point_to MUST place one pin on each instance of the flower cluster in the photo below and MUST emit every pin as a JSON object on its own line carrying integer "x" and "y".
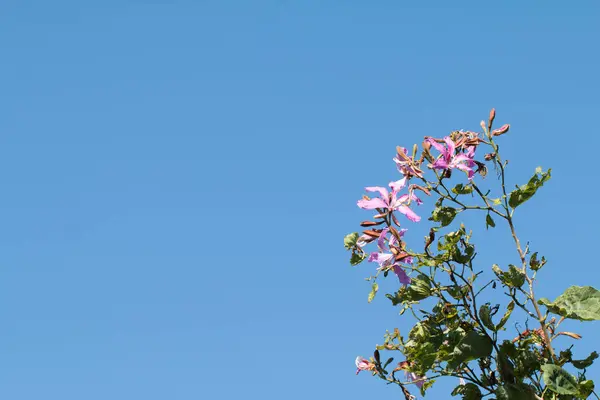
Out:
{"x": 456, "y": 151}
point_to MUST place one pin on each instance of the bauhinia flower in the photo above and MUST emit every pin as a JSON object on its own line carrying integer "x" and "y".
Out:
{"x": 362, "y": 364}
{"x": 386, "y": 259}
{"x": 391, "y": 201}
{"x": 411, "y": 377}
{"x": 406, "y": 165}
{"x": 449, "y": 160}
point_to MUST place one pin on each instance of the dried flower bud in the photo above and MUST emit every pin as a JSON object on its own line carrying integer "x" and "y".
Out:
{"x": 370, "y": 223}
{"x": 426, "y": 145}
{"x": 421, "y": 188}
{"x": 378, "y": 216}
{"x": 570, "y": 334}
{"x": 402, "y": 256}
{"x": 501, "y": 131}
{"x": 373, "y": 234}
{"x": 489, "y": 156}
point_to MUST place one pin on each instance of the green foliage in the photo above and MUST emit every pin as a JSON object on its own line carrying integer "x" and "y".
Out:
{"x": 374, "y": 289}
{"x": 468, "y": 391}
{"x": 509, "y": 391}
{"x": 473, "y": 346}
{"x": 514, "y": 277}
{"x": 577, "y": 302}
{"x": 536, "y": 264}
{"x": 489, "y": 221}
{"x": 585, "y": 363}
{"x": 506, "y": 316}
{"x": 444, "y": 215}
{"x": 525, "y": 192}
{"x": 462, "y": 189}
{"x": 558, "y": 380}
{"x": 350, "y": 240}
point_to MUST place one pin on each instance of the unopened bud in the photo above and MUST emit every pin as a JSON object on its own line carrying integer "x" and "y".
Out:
{"x": 376, "y": 356}
{"x": 492, "y": 116}
{"x": 426, "y": 145}
{"x": 373, "y": 234}
{"x": 570, "y": 334}
{"x": 370, "y": 223}
{"x": 414, "y": 152}
{"x": 482, "y": 123}
{"x": 402, "y": 256}
{"x": 489, "y": 156}
{"x": 501, "y": 131}
{"x": 421, "y": 188}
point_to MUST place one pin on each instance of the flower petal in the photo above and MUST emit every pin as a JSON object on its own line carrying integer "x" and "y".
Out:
{"x": 398, "y": 185}
{"x": 383, "y": 192}
{"x": 371, "y": 204}
{"x": 404, "y": 279}
{"x": 438, "y": 146}
{"x": 410, "y": 214}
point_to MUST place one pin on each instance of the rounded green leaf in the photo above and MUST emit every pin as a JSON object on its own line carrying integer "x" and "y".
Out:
{"x": 558, "y": 380}
{"x": 577, "y": 302}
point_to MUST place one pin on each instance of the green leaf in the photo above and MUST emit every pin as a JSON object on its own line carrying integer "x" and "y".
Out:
{"x": 577, "y": 302}
{"x": 374, "y": 289}
{"x": 558, "y": 380}
{"x": 419, "y": 288}
{"x": 350, "y": 240}
{"x": 462, "y": 189}
{"x": 444, "y": 215}
{"x": 506, "y": 316}
{"x": 525, "y": 192}
{"x": 583, "y": 364}
{"x": 585, "y": 389}
{"x": 536, "y": 264}
{"x": 471, "y": 347}
{"x": 468, "y": 391}
{"x": 485, "y": 314}
{"x": 357, "y": 258}
{"x": 510, "y": 391}
{"x": 489, "y": 221}
{"x": 514, "y": 277}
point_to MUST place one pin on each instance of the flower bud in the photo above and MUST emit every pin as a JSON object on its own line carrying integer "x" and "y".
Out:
{"x": 492, "y": 116}
{"x": 373, "y": 234}
{"x": 482, "y": 123}
{"x": 570, "y": 334}
{"x": 501, "y": 131}
{"x": 370, "y": 223}
{"x": 489, "y": 156}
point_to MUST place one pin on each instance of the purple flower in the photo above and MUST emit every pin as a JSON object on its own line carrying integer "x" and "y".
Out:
{"x": 386, "y": 260}
{"x": 363, "y": 364}
{"x": 406, "y": 165}
{"x": 419, "y": 381}
{"x": 391, "y": 201}
{"x": 449, "y": 160}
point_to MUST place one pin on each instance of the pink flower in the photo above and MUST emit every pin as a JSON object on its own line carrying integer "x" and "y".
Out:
{"x": 363, "y": 364}
{"x": 419, "y": 381}
{"x": 449, "y": 160}
{"x": 385, "y": 259}
{"x": 406, "y": 165}
{"x": 391, "y": 201}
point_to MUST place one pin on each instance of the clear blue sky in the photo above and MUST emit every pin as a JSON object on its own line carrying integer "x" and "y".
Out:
{"x": 177, "y": 179}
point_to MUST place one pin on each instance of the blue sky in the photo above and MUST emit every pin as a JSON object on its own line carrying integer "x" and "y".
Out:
{"x": 177, "y": 178}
